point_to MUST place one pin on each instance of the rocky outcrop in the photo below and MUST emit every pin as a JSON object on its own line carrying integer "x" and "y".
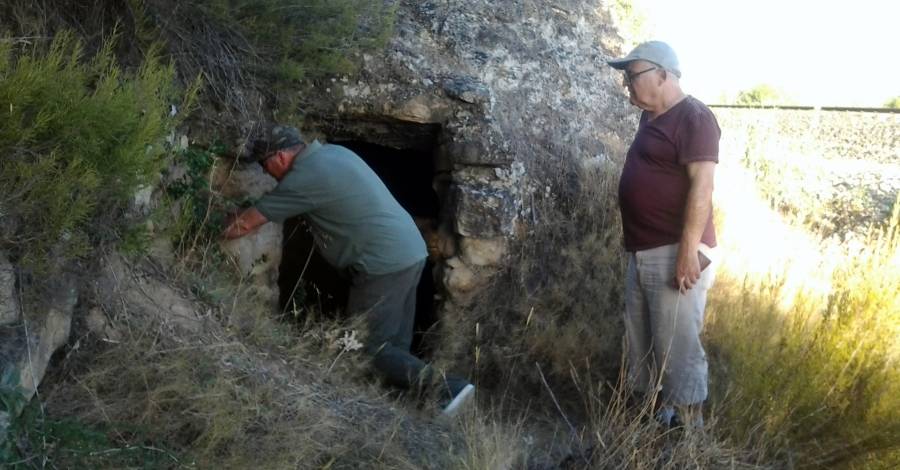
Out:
{"x": 258, "y": 254}
{"x": 28, "y": 341}
{"x": 146, "y": 295}
{"x": 492, "y": 89}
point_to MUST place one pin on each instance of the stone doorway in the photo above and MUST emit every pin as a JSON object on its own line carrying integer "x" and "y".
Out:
{"x": 408, "y": 174}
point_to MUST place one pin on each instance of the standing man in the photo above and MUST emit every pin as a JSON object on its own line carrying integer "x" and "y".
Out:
{"x": 361, "y": 230}
{"x": 665, "y": 197}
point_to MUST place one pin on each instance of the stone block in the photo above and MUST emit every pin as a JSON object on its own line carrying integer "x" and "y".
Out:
{"x": 258, "y": 253}
{"x": 242, "y": 180}
{"x": 458, "y": 278}
{"x": 475, "y": 152}
{"x": 422, "y": 109}
{"x": 467, "y": 89}
{"x": 483, "y": 212}
{"x": 44, "y": 339}
{"x": 483, "y": 251}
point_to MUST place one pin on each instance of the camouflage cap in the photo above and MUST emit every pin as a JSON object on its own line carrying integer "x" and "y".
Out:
{"x": 276, "y": 138}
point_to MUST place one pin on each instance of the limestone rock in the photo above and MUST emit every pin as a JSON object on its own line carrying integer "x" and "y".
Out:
{"x": 468, "y": 89}
{"x": 100, "y": 326}
{"x": 44, "y": 340}
{"x": 142, "y": 201}
{"x": 474, "y": 152}
{"x": 483, "y": 252}
{"x": 446, "y": 243}
{"x": 26, "y": 348}
{"x": 122, "y": 285}
{"x": 483, "y": 212}
{"x": 258, "y": 256}
{"x": 9, "y": 306}
{"x": 242, "y": 180}
{"x": 421, "y": 109}
{"x": 458, "y": 277}
{"x": 257, "y": 253}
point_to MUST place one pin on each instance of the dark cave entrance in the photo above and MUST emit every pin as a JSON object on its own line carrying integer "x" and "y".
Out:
{"x": 408, "y": 174}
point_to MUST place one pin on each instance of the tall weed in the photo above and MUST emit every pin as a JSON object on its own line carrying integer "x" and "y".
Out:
{"x": 819, "y": 385}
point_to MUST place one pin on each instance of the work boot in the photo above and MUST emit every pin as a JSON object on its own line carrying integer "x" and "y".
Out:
{"x": 690, "y": 416}
{"x": 458, "y": 394}
{"x": 665, "y": 415}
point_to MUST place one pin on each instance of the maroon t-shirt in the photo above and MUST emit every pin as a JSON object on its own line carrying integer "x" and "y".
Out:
{"x": 654, "y": 185}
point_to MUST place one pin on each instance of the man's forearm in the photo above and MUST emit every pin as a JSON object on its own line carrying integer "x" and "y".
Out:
{"x": 246, "y": 222}
{"x": 699, "y": 204}
{"x": 696, "y": 214}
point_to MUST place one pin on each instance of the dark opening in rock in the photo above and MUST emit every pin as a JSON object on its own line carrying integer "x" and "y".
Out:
{"x": 408, "y": 174}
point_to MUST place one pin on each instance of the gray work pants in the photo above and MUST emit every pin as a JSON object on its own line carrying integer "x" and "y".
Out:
{"x": 662, "y": 328}
{"x": 388, "y": 302}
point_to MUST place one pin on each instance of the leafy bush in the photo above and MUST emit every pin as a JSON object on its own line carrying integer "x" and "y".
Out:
{"x": 203, "y": 219}
{"x": 761, "y": 95}
{"x": 78, "y": 138}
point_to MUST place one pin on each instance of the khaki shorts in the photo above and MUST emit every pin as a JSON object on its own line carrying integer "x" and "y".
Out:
{"x": 662, "y": 327}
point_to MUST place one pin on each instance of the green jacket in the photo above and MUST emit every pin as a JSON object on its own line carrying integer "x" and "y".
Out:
{"x": 357, "y": 224}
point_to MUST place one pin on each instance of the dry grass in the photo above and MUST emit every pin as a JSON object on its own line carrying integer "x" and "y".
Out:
{"x": 816, "y": 385}
{"x": 252, "y": 390}
{"x": 270, "y": 397}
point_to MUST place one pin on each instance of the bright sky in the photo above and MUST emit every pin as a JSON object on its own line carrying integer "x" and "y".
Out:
{"x": 826, "y": 52}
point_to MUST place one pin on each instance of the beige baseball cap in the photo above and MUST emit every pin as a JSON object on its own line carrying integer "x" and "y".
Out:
{"x": 656, "y": 52}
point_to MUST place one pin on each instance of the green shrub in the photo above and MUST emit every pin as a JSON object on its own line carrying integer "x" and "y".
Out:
{"x": 761, "y": 95}
{"x": 202, "y": 216}
{"x": 78, "y": 138}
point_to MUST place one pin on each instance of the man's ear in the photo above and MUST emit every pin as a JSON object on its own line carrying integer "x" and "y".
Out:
{"x": 282, "y": 156}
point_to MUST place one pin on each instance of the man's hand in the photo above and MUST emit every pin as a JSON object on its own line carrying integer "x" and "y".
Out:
{"x": 239, "y": 225}
{"x": 687, "y": 268}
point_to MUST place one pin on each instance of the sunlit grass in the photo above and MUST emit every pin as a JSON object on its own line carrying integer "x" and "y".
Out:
{"x": 806, "y": 345}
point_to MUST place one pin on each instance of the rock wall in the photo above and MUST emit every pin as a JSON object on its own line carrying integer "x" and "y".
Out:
{"x": 29, "y": 336}
{"x": 526, "y": 127}
{"x": 494, "y": 88}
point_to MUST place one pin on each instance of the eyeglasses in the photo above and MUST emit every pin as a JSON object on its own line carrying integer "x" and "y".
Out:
{"x": 629, "y": 77}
